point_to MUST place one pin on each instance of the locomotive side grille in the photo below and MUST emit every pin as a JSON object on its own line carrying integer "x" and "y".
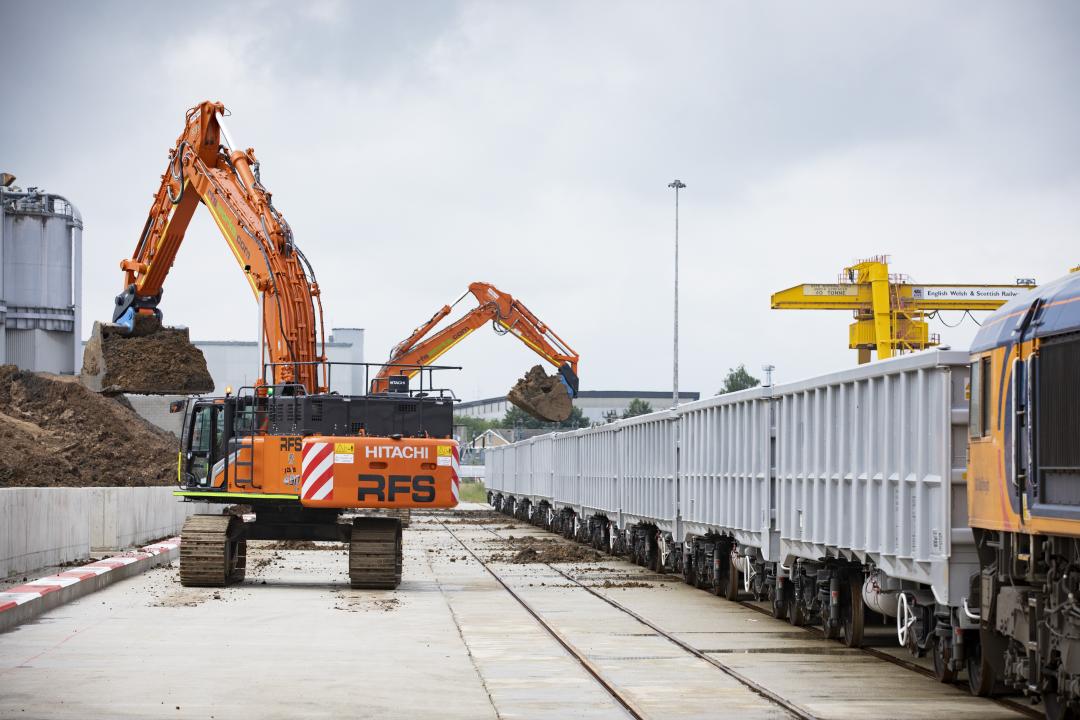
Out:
{"x": 1057, "y": 420}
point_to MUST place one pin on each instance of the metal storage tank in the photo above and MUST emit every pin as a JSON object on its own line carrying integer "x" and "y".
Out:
{"x": 41, "y": 283}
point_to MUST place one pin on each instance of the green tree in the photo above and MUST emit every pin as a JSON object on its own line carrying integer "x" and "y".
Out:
{"x": 474, "y": 426}
{"x": 516, "y": 417}
{"x": 738, "y": 379}
{"x": 637, "y": 407}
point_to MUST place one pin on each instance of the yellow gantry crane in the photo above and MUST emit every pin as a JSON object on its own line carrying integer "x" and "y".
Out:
{"x": 891, "y": 311}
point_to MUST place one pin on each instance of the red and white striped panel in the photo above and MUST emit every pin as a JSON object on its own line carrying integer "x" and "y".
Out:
{"x": 20, "y": 594}
{"x": 317, "y": 471}
{"x": 455, "y": 473}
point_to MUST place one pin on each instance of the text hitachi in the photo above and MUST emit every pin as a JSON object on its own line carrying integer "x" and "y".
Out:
{"x": 396, "y": 452}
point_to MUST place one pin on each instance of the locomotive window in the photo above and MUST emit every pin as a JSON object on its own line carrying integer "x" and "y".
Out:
{"x": 975, "y": 428}
{"x": 980, "y": 401}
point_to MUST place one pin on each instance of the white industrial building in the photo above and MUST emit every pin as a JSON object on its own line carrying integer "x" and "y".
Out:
{"x": 235, "y": 363}
{"x": 596, "y": 405}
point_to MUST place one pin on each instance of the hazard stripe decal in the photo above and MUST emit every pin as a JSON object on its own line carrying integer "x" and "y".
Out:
{"x": 455, "y": 472}
{"x": 317, "y": 472}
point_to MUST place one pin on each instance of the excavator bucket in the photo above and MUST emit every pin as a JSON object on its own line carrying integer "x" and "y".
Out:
{"x": 541, "y": 395}
{"x": 147, "y": 359}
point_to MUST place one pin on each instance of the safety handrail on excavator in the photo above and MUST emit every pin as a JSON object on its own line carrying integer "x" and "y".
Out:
{"x": 227, "y": 181}
{"x": 506, "y": 314}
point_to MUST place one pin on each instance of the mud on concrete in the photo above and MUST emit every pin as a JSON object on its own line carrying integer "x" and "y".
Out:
{"x": 155, "y": 361}
{"x": 541, "y": 395}
{"x": 530, "y": 550}
{"x": 57, "y": 433}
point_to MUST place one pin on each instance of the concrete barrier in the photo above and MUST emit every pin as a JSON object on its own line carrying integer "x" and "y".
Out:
{"x": 43, "y": 527}
{"x": 23, "y": 602}
{"x": 40, "y": 527}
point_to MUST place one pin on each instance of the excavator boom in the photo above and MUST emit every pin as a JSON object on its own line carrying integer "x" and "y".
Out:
{"x": 507, "y": 315}
{"x": 206, "y": 167}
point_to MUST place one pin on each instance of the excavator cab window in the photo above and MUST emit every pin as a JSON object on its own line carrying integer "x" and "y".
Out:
{"x": 204, "y": 442}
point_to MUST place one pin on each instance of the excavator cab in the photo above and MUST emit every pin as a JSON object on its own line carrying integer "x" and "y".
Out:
{"x": 202, "y": 445}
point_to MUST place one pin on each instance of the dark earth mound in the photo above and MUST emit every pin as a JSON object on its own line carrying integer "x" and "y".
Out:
{"x": 57, "y": 433}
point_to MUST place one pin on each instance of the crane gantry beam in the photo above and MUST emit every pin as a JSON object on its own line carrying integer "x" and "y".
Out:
{"x": 890, "y": 310}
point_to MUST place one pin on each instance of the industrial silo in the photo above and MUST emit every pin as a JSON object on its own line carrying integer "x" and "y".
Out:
{"x": 41, "y": 284}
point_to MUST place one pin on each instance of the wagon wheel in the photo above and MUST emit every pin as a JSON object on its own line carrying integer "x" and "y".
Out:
{"x": 1057, "y": 708}
{"x": 982, "y": 675}
{"x": 852, "y": 610}
{"x": 795, "y": 614}
{"x": 942, "y": 671}
{"x": 731, "y": 583}
{"x": 778, "y": 603}
{"x": 720, "y": 568}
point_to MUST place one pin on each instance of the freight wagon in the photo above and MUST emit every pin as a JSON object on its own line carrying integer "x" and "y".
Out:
{"x": 836, "y": 498}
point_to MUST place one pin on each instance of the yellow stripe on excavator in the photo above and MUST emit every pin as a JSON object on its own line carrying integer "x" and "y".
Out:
{"x": 538, "y": 350}
{"x": 211, "y": 493}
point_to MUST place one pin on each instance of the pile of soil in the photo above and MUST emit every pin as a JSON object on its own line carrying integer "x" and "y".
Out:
{"x": 303, "y": 545}
{"x": 541, "y": 395}
{"x": 152, "y": 361}
{"x": 532, "y": 550}
{"x": 56, "y": 433}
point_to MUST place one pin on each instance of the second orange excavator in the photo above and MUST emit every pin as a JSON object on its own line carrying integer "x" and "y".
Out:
{"x": 542, "y": 396}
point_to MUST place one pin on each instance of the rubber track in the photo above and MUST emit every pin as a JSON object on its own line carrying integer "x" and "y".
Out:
{"x": 375, "y": 553}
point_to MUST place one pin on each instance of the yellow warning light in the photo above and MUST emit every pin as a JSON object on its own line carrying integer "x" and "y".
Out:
{"x": 228, "y": 390}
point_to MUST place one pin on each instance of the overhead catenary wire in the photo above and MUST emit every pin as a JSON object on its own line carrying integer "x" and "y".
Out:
{"x": 936, "y": 314}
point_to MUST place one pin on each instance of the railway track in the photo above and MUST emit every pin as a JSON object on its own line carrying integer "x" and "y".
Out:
{"x": 620, "y": 697}
{"x": 1019, "y": 707}
{"x": 1015, "y": 706}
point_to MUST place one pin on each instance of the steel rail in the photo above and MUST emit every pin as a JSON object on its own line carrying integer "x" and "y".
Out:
{"x": 1013, "y": 705}
{"x": 1010, "y": 704}
{"x": 752, "y": 685}
{"x": 626, "y": 703}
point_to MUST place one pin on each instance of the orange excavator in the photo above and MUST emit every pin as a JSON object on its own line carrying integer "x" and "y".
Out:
{"x": 298, "y": 454}
{"x": 541, "y": 396}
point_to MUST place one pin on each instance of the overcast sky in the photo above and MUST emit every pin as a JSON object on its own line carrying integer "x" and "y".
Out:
{"x": 415, "y": 147}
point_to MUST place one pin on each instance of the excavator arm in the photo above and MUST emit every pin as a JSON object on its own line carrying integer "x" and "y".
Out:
{"x": 205, "y": 170}
{"x": 506, "y": 314}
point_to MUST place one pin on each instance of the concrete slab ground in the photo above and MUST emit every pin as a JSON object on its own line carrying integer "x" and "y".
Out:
{"x": 295, "y": 641}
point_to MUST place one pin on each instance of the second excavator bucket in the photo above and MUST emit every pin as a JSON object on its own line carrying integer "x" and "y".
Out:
{"x": 146, "y": 359}
{"x": 541, "y": 395}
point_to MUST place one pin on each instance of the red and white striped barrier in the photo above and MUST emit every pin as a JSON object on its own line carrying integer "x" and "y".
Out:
{"x": 19, "y": 603}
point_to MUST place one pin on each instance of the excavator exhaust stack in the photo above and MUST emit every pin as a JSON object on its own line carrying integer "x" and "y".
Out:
{"x": 547, "y": 397}
{"x": 145, "y": 358}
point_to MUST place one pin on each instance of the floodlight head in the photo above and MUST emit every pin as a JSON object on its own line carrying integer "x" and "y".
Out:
{"x": 677, "y": 184}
